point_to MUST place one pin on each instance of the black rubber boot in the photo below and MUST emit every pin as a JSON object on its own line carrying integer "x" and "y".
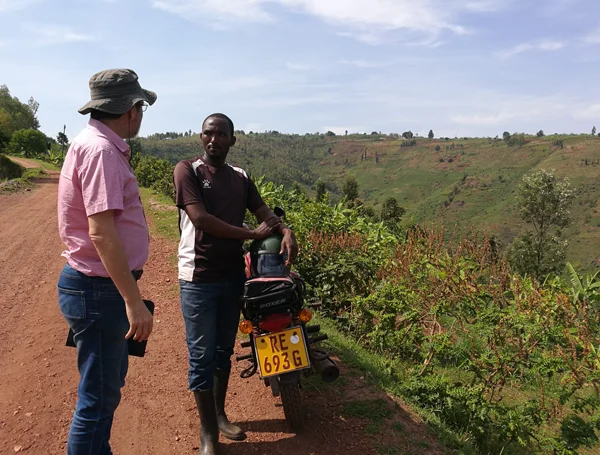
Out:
{"x": 209, "y": 429}
{"x": 227, "y": 429}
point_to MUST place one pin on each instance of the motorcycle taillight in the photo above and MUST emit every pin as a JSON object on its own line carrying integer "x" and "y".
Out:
{"x": 275, "y": 322}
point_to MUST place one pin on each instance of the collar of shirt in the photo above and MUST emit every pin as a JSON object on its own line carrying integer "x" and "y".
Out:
{"x": 103, "y": 130}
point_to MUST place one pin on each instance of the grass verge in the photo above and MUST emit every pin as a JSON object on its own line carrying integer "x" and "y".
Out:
{"x": 22, "y": 183}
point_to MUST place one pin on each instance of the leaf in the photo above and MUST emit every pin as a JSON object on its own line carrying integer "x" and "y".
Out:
{"x": 575, "y": 280}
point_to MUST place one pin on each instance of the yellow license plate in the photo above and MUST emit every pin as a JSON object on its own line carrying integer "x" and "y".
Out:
{"x": 281, "y": 352}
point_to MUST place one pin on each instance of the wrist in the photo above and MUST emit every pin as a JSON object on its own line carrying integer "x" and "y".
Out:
{"x": 134, "y": 301}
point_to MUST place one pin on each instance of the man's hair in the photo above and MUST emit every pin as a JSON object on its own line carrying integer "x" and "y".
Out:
{"x": 221, "y": 116}
{"x": 99, "y": 115}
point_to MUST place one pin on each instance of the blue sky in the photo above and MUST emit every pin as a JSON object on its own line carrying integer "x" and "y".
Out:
{"x": 461, "y": 67}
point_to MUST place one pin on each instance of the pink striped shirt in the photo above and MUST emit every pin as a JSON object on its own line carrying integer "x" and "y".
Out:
{"x": 96, "y": 176}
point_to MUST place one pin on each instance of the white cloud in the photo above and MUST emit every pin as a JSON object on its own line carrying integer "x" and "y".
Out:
{"x": 366, "y": 64}
{"x": 590, "y": 112}
{"x": 370, "y": 21}
{"x": 47, "y": 35}
{"x": 510, "y": 109}
{"x": 536, "y": 110}
{"x": 12, "y": 5}
{"x": 297, "y": 66}
{"x": 546, "y": 45}
{"x": 593, "y": 37}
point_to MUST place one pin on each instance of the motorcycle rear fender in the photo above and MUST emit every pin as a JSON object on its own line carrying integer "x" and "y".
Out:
{"x": 291, "y": 377}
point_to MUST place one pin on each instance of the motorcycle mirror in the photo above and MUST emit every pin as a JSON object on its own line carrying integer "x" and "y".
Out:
{"x": 278, "y": 211}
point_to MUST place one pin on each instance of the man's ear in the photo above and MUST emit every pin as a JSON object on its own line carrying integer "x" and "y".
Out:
{"x": 232, "y": 142}
{"x": 131, "y": 113}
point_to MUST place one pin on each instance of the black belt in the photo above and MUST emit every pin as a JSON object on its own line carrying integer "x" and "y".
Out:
{"x": 137, "y": 274}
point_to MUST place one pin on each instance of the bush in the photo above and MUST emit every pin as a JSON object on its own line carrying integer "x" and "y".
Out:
{"x": 9, "y": 169}
{"x": 155, "y": 173}
{"x": 29, "y": 143}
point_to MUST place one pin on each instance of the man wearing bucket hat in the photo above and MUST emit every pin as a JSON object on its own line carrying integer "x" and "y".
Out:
{"x": 102, "y": 224}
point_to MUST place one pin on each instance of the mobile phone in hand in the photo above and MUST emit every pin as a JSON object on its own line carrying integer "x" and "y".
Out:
{"x": 135, "y": 348}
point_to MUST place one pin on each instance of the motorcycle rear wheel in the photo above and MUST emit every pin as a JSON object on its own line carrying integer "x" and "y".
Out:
{"x": 292, "y": 404}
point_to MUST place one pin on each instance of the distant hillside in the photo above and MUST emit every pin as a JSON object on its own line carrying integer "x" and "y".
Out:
{"x": 285, "y": 159}
{"x": 461, "y": 183}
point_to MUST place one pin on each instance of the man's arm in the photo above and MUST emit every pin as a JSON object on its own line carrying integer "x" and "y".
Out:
{"x": 189, "y": 197}
{"x": 288, "y": 244}
{"x": 110, "y": 249}
{"x": 214, "y": 226}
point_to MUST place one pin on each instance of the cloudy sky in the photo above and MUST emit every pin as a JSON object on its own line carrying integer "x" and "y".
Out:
{"x": 461, "y": 67}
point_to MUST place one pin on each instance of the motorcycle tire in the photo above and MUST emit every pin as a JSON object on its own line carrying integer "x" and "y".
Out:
{"x": 292, "y": 404}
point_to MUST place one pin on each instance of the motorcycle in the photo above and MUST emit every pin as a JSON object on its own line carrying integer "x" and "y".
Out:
{"x": 275, "y": 318}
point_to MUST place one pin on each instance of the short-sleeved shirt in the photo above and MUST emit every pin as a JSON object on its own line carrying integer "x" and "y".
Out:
{"x": 225, "y": 192}
{"x": 96, "y": 176}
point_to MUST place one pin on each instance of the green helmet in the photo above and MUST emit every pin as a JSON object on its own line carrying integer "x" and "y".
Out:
{"x": 265, "y": 258}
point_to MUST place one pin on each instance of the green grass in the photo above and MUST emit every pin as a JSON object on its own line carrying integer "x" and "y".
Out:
{"x": 43, "y": 164}
{"x": 371, "y": 409}
{"x": 161, "y": 210}
{"x": 23, "y": 182}
{"x": 387, "y": 376}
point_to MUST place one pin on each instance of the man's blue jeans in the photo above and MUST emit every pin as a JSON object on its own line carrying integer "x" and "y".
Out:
{"x": 95, "y": 311}
{"x": 211, "y": 312}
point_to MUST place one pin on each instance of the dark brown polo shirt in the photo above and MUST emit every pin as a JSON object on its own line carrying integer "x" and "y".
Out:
{"x": 225, "y": 192}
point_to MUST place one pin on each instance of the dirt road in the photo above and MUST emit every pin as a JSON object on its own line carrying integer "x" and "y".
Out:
{"x": 38, "y": 375}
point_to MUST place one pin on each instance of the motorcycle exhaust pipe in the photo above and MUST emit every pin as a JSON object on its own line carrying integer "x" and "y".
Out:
{"x": 327, "y": 368}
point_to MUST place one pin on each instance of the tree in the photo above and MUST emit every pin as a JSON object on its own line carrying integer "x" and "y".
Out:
{"x": 30, "y": 143}
{"x": 62, "y": 138}
{"x": 21, "y": 115}
{"x": 407, "y": 134}
{"x": 540, "y": 133}
{"x": 5, "y": 128}
{"x": 33, "y": 106}
{"x": 350, "y": 188}
{"x": 594, "y": 131}
{"x": 321, "y": 190}
{"x": 330, "y": 134}
{"x": 544, "y": 202}
{"x": 430, "y": 135}
{"x": 391, "y": 213}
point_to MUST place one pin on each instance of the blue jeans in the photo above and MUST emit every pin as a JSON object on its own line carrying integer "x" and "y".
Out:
{"x": 95, "y": 311}
{"x": 211, "y": 312}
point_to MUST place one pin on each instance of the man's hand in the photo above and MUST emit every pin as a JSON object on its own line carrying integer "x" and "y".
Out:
{"x": 262, "y": 231}
{"x": 273, "y": 222}
{"x": 140, "y": 321}
{"x": 289, "y": 245}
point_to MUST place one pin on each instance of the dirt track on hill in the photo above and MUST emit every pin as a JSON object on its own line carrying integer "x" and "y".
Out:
{"x": 38, "y": 375}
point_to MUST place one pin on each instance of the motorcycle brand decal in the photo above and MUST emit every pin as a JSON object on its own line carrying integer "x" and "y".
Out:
{"x": 270, "y": 304}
